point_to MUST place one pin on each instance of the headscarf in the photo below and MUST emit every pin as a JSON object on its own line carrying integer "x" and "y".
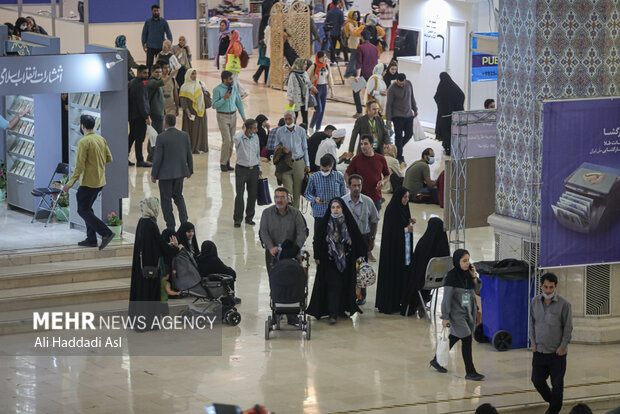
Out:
{"x": 396, "y": 208}
{"x": 263, "y": 135}
{"x": 182, "y": 238}
{"x": 234, "y": 38}
{"x": 226, "y": 31}
{"x": 166, "y": 47}
{"x": 192, "y": 90}
{"x": 167, "y": 235}
{"x": 120, "y": 42}
{"x": 208, "y": 249}
{"x": 378, "y": 69}
{"x": 371, "y": 20}
{"x": 388, "y": 78}
{"x": 150, "y": 207}
{"x": 458, "y": 277}
{"x": 350, "y": 19}
{"x": 298, "y": 65}
{"x": 449, "y": 91}
{"x": 337, "y": 237}
{"x": 317, "y": 68}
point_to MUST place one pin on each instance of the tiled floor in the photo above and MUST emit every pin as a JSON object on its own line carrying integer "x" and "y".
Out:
{"x": 374, "y": 362}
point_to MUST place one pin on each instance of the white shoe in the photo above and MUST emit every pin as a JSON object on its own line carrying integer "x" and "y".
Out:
{"x": 245, "y": 95}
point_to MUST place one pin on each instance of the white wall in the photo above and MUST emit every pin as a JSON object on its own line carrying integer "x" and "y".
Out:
{"x": 425, "y": 76}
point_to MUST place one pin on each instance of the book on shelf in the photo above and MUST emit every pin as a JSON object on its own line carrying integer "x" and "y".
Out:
{"x": 96, "y": 100}
{"x": 83, "y": 97}
{"x": 89, "y": 99}
{"x": 97, "y": 123}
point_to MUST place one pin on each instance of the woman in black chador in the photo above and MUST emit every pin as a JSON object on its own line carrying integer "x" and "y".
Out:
{"x": 393, "y": 270}
{"x": 187, "y": 237}
{"x": 434, "y": 243}
{"x": 449, "y": 98}
{"x": 337, "y": 245}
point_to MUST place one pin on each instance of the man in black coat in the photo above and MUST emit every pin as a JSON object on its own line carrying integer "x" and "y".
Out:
{"x": 172, "y": 162}
{"x": 313, "y": 144}
{"x": 139, "y": 109}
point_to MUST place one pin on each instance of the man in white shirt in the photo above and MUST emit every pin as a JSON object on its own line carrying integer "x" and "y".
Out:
{"x": 247, "y": 171}
{"x": 330, "y": 146}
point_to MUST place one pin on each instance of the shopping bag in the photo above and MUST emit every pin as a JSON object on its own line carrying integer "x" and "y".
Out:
{"x": 263, "y": 197}
{"x": 152, "y": 134}
{"x": 407, "y": 249}
{"x": 366, "y": 275}
{"x": 443, "y": 348}
{"x": 418, "y": 131}
{"x": 233, "y": 64}
{"x": 288, "y": 107}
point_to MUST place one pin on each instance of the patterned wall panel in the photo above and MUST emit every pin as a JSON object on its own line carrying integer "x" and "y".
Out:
{"x": 548, "y": 49}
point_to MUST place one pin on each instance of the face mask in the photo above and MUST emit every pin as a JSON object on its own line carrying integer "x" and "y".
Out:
{"x": 326, "y": 173}
{"x": 253, "y": 135}
{"x": 431, "y": 160}
{"x": 341, "y": 214}
{"x": 23, "y": 27}
{"x": 546, "y": 296}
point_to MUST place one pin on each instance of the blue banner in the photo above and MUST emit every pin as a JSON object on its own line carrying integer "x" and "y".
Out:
{"x": 580, "y": 191}
{"x": 483, "y": 66}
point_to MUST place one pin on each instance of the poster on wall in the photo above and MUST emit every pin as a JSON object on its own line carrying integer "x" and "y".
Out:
{"x": 483, "y": 65}
{"x": 580, "y": 191}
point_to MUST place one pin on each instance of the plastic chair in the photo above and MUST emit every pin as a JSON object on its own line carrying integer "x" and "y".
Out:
{"x": 436, "y": 271}
{"x": 51, "y": 193}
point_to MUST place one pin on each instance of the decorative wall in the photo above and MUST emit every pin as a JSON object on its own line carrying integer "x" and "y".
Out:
{"x": 548, "y": 49}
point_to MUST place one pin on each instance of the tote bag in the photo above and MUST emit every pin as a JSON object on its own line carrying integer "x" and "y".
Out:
{"x": 443, "y": 348}
{"x": 233, "y": 64}
{"x": 264, "y": 197}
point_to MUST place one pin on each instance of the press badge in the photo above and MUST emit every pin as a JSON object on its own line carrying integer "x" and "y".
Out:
{"x": 465, "y": 300}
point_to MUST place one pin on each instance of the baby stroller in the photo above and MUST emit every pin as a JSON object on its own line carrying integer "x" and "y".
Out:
{"x": 288, "y": 294}
{"x": 213, "y": 295}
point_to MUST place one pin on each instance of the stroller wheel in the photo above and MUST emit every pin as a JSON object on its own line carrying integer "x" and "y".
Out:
{"x": 308, "y": 324}
{"x": 186, "y": 314}
{"x": 233, "y": 318}
{"x": 267, "y": 327}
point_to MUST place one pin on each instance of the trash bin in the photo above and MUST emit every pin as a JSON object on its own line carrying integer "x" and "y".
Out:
{"x": 505, "y": 299}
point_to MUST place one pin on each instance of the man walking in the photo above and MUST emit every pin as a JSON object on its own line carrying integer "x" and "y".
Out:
{"x": 157, "y": 102}
{"x": 370, "y": 124}
{"x": 247, "y": 171}
{"x": 226, "y": 101}
{"x": 400, "y": 110}
{"x": 366, "y": 59}
{"x": 551, "y": 325}
{"x": 92, "y": 156}
{"x": 373, "y": 169}
{"x": 139, "y": 110}
{"x": 366, "y": 216}
{"x": 323, "y": 186}
{"x": 313, "y": 144}
{"x": 172, "y": 163}
{"x": 293, "y": 139}
{"x": 153, "y": 33}
{"x": 281, "y": 222}
{"x": 334, "y": 19}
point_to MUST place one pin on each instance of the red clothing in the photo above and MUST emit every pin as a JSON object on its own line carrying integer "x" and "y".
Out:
{"x": 372, "y": 169}
{"x": 366, "y": 58}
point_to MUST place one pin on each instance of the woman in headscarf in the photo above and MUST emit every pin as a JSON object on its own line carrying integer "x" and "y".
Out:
{"x": 449, "y": 98}
{"x": 184, "y": 56}
{"x": 150, "y": 249}
{"x": 393, "y": 267}
{"x": 233, "y": 61}
{"x": 298, "y": 89}
{"x": 186, "y": 235}
{"x": 375, "y": 32}
{"x": 121, "y": 43}
{"x": 21, "y": 25}
{"x": 375, "y": 87}
{"x": 434, "y": 243}
{"x": 192, "y": 101}
{"x": 263, "y": 133}
{"x": 390, "y": 73}
{"x": 337, "y": 245}
{"x": 321, "y": 77}
{"x": 209, "y": 263}
{"x": 223, "y": 42}
{"x": 33, "y": 27}
{"x": 353, "y": 41}
{"x": 166, "y": 55}
{"x": 459, "y": 310}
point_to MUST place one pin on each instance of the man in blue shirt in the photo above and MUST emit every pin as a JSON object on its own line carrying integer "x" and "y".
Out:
{"x": 247, "y": 171}
{"x": 153, "y": 34}
{"x": 226, "y": 101}
{"x": 334, "y": 20}
{"x": 323, "y": 186}
{"x": 293, "y": 140}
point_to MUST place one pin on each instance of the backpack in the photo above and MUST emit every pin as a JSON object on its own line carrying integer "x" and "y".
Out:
{"x": 185, "y": 271}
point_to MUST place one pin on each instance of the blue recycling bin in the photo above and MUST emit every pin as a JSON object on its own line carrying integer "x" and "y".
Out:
{"x": 505, "y": 301}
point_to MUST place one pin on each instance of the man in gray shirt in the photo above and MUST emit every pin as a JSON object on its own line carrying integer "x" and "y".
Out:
{"x": 400, "y": 109}
{"x": 247, "y": 171}
{"x": 279, "y": 223}
{"x": 551, "y": 326}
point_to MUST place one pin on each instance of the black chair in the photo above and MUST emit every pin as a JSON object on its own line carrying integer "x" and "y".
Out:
{"x": 49, "y": 195}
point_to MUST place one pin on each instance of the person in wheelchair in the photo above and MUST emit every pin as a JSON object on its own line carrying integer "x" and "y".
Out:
{"x": 288, "y": 264}
{"x": 209, "y": 263}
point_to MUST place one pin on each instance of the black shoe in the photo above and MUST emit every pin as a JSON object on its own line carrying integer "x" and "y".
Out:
{"x": 438, "y": 367}
{"x": 360, "y": 302}
{"x": 474, "y": 377}
{"x": 86, "y": 243}
{"x": 237, "y": 224}
{"x": 131, "y": 164}
{"x": 229, "y": 168}
{"x": 250, "y": 222}
{"x": 223, "y": 168}
{"x": 144, "y": 164}
{"x": 332, "y": 320}
{"x": 105, "y": 241}
{"x": 255, "y": 79}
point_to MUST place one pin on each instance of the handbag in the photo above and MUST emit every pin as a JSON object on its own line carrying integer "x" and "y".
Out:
{"x": 206, "y": 95}
{"x": 312, "y": 102}
{"x": 244, "y": 58}
{"x": 366, "y": 275}
{"x": 149, "y": 272}
{"x": 443, "y": 348}
{"x": 264, "y": 197}
{"x": 304, "y": 183}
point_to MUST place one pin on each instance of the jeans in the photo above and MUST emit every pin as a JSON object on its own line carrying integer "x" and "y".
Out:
{"x": 554, "y": 366}
{"x": 319, "y": 109}
{"x": 466, "y": 351}
{"x": 137, "y": 132}
{"x": 403, "y": 131}
{"x": 172, "y": 190}
{"x": 86, "y": 197}
{"x": 245, "y": 177}
{"x": 350, "y": 70}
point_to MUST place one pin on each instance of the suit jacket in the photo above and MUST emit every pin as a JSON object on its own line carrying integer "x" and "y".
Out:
{"x": 362, "y": 127}
{"x": 173, "y": 155}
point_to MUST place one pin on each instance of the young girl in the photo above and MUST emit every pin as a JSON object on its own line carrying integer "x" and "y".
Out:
{"x": 224, "y": 41}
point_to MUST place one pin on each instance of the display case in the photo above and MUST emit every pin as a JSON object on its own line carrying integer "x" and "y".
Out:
{"x": 19, "y": 145}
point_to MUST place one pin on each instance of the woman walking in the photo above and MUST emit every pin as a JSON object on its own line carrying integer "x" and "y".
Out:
{"x": 263, "y": 62}
{"x": 375, "y": 87}
{"x": 298, "y": 89}
{"x": 459, "y": 310}
{"x": 449, "y": 98}
{"x": 233, "y": 61}
{"x": 223, "y": 42}
{"x": 353, "y": 41}
{"x": 337, "y": 245}
{"x": 192, "y": 101}
{"x": 321, "y": 77}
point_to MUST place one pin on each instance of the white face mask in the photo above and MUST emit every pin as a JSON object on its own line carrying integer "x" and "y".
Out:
{"x": 550, "y": 296}
{"x": 23, "y": 27}
{"x": 326, "y": 173}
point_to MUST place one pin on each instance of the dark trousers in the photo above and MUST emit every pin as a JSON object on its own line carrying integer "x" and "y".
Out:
{"x": 358, "y": 100}
{"x": 245, "y": 177}
{"x": 260, "y": 70}
{"x": 137, "y": 132}
{"x": 335, "y": 284}
{"x": 466, "y": 351}
{"x": 319, "y": 110}
{"x": 150, "y": 56}
{"x": 304, "y": 114}
{"x": 378, "y": 204}
{"x": 333, "y": 41}
{"x": 403, "y": 131}
{"x": 86, "y": 197}
{"x": 172, "y": 190}
{"x": 554, "y": 366}
{"x": 157, "y": 122}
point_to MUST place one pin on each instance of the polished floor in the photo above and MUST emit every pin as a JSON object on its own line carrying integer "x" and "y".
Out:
{"x": 371, "y": 363}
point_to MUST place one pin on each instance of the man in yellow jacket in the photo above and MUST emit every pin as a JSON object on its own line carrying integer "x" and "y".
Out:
{"x": 92, "y": 156}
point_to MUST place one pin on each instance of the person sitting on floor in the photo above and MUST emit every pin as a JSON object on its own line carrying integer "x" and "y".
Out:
{"x": 418, "y": 179}
{"x": 187, "y": 237}
{"x": 209, "y": 263}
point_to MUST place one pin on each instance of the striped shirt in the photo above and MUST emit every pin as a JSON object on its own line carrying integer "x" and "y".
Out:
{"x": 325, "y": 188}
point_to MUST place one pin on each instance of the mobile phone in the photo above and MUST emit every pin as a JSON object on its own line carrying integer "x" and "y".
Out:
{"x": 471, "y": 267}
{"x": 230, "y": 89}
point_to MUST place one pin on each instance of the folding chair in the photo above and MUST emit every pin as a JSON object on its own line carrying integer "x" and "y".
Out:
{"x": 436, "y": 271}
{"x": 50, "y": 193}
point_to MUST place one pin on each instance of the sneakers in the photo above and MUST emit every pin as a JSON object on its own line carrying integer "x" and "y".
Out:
{"x": 293, "y": 321}
{"x": 237, "y": 300}
{"x": 131, "y": 164}
{"x": 86, "y": 243}
{"x": 438, "y": 367}
{"x": 105, "y": 241}
{"x": 360, "y": 302}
